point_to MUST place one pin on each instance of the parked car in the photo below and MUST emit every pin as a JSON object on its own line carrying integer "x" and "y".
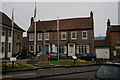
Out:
{"x": 107, "y": 71}
{"x": 52, "y": 56}
{"x": 20, "y": 55}
{"x": 88, "y": 57}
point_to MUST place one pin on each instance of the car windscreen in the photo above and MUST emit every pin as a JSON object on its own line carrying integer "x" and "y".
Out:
{"x": 108, "y": 71}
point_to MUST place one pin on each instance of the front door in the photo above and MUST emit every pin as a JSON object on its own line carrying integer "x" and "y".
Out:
{"x": 71, "y": 49}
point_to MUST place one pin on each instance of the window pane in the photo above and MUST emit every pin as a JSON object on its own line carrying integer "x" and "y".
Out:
{"x": 39, "y": 36}
{"x": 3, "y": 31}
{"x": 10, "y": 33}
{"x": 63, "y": 35}
{"x": 9, "y": 47}
{"x": 84, "y": 35}
{"x": 46, "y": 36}
{"x": 31, "y": 37}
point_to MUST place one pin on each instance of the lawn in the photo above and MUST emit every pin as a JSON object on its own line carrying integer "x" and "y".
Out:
{"x": 10, "y": 67}
{"x": 71, "y": 62}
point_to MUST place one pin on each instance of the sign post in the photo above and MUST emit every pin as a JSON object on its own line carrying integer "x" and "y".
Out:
{"x": 74, "y": 58}
{"x": 13, "y": 59}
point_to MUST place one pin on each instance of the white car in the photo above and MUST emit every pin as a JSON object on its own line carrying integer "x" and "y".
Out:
{"x": 38, "y": 54}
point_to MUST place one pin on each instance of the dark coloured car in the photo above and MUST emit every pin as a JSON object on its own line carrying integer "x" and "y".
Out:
{"x": 108, "y": 71}
{"x": 87, "y": 57}
{"x": 20, "y": 55}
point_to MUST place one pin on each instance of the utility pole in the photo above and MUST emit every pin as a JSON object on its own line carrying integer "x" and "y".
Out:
{"x": 35, "y": 30}
{"x": 58, "y": 35}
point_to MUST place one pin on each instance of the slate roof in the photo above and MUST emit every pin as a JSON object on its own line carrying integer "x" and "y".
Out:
{"x": 102, "y": 43}
{"x": 64, "y": 24}
{"x": 5, "y": 20}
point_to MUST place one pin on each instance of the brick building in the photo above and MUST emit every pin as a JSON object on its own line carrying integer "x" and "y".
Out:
{"x": 6, "y": 37}
{"x": 111, "y": 44}
{"x": 113, "y": 36}
{"x": 76, "y": 36}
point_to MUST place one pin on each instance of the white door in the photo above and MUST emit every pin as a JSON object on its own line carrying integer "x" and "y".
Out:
{"x": 71, "y": 49}
{"x": 103, "y": 53}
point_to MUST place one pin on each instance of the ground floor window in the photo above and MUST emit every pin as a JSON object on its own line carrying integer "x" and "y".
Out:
{"x": 82, "y": 49}
{"x": 3, "y": 47}
{"x": 9, "y": 47}
{"x": 31, "y": 48}
{"x": 118, "y": 52}
{"x": 63, "y": 49}
{"x": 39, "y": 48}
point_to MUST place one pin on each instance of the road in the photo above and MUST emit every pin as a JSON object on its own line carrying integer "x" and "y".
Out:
{"x": 54, "y": 72}
{"x": 76, "y": 76}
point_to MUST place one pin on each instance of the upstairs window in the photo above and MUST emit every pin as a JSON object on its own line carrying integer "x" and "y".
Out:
{"x": 3, "y": 31}
{"x": 3, "y": 47}
{"x": 118, "y": 40}
{"x": 46, "y": 36}
{"x": 31, "y": 48}
{"x": 39, "y": 36}
{"x": 63, "y": 35}
{"x": 10, "y": 33}
{"x": 73, "y": 35}
{"x": 31, "y": 37}
{"x": 84, "y": 34}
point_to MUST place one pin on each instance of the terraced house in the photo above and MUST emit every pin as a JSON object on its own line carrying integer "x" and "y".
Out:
{"x": 76, "y": 36}
{"x": 6, "y": 37}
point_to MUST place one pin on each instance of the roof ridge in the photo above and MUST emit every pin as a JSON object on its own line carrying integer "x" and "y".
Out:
{"x": 64, "y": 19}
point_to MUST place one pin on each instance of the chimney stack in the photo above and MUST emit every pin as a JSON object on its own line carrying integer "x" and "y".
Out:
{"x": 32, "y": 20}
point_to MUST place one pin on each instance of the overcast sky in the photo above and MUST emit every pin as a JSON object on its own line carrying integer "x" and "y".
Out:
{"x": 50, "y": 10}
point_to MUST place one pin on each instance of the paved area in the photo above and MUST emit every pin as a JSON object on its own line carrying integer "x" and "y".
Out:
{"x": 49, "y": 72}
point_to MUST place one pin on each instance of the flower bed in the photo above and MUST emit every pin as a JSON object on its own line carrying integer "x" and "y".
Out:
{"x": 13, "y": 66}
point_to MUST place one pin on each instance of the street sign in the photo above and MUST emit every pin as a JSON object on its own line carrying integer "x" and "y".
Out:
{"x": 13, "y": 59}
{"x": 74, "y": 57}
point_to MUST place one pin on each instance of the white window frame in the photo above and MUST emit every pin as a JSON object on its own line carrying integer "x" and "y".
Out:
{"x": 38, "y": 48}
{"x": 39, "y": 35}
{"x": 31, "y": 37}
{"x": 79, "y": 47}
{"x": 82, "y": 35}
{"x": 45, "y": 36}
{"x": 9, "y": 47}
{"x": 64, "y": 49}
{"x": 62, "y": 35}
{"x": 118, "y": 39}
{"x": 3, "y": 47}
{"x": 3, "y": 31}
{"x": 75, "y": 35}
{"x": 10, "y": 33}
{"x": 30, "y": 48}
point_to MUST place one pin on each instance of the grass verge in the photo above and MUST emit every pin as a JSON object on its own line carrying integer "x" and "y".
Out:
{"x": 71, "y": 63}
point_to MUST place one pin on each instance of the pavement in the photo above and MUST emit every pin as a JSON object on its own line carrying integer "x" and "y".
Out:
{"x": 41, "y": 72}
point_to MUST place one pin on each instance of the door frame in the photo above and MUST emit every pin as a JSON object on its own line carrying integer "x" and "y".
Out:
{"x": 71, "y": 50}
